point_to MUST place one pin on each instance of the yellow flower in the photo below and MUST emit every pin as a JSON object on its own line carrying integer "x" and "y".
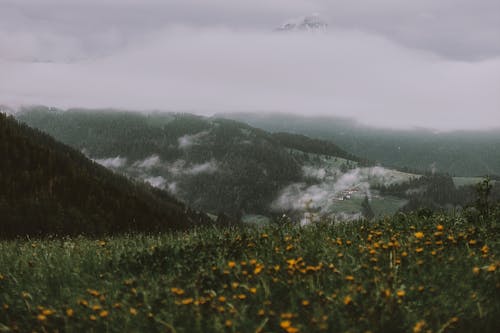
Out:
{"x": 472, "y": 242}
{"x": 440, "y": 227}
{"x": 96, "y": 307}
{"x": 419, "y": 235}
{"x": 222, "y": 299}
{"x": 419, "y": 249}
{"x": 177, "y": 291}
{"x": 103, "y": 314}
{"x": 492, "y": 268}
{"x": 231, "y": 264}
{"x": 258, "y": 269}
{"x": 133, "y": 311}
{"x": 187, "y": 301}
{"x": 349, "y": 278}
{"x": 305, "y": 303}
{"x": 93, "y": 292}
{"x": 228, "y": 323}
{"x": 41, "y": 317}
{"x": 48, "y": 312}
{"x": 347, "y": 300}
{"x": 253, "y": 290}
{"x": 92, "y": 317}
{"x": 70, "y": 312}
{"x": 401, "y": 293}
{"x": 476, "y": 270}
{"x": 285, "y": 324}
{"x": 419, "y": 326}
{"x": 485, "y": 249}
{"x": 242, "y": 296}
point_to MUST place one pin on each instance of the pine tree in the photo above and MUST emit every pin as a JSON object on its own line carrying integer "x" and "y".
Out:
{"x": 366, "y": 209}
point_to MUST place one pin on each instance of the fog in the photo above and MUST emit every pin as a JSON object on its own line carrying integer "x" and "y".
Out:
{"x": 391, "y": 65}
{"x": 324, "y": 194}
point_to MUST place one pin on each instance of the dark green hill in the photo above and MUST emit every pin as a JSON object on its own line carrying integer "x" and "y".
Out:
{"x": 460, "y": 153}
{"x": 213, "y": 164}
{"x": 47, "y": 187}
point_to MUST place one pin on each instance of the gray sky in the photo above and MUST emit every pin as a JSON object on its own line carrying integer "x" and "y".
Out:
{"x": 387, "y": 62}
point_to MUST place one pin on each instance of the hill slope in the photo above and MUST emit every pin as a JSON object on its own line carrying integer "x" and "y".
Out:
{"x": 216, "y": 165}
{"x": 461, "y": 153}
{"x": 47, "y": 187}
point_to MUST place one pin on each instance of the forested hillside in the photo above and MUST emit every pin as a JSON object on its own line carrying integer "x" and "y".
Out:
{"x": 47, "y": 187}
{"x": 215, "y": 165}
{"x": 460, "y": 153}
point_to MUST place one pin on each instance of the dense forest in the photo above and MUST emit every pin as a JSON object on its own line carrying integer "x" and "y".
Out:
{"x": 458, "y": 153}
{"x": 47, "y": 187}
{"x": 435, "y": 192}
{"x": 215, "y": 165}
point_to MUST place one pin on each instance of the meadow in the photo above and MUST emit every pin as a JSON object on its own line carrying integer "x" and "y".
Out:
{"x": 399, "y": 274}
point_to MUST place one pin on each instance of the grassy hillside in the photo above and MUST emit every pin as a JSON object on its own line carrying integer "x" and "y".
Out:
{"x": 49, "y": 188}
{"x": 405, "y": 274}
{"x": 460, "y": 153}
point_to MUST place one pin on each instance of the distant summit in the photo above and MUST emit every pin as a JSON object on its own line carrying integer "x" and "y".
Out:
{"x": 308, "y": 23}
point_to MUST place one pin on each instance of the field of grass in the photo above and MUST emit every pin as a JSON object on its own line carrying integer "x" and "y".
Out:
{"x": 403, "y": 274}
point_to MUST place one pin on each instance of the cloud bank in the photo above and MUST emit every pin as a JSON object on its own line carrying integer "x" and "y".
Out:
{"x": 391, "y": 64}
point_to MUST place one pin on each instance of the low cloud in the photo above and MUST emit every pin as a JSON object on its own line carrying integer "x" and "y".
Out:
{"x": 209, "y": 70}
{"x": 148, "y": 163}
{"x": 112, "y": 162}
{"x": 323, "y": 196}
{"x": 158, "y": 181}
{"x": 188, "y": 140}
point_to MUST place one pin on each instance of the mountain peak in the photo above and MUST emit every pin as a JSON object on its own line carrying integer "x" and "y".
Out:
{"x": 311, "y": 22}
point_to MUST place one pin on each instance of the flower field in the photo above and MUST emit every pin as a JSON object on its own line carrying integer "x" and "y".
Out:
{"x": 400, "y": 274}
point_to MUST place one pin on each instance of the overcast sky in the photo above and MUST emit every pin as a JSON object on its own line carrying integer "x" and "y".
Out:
{"x": 387, "y": 62}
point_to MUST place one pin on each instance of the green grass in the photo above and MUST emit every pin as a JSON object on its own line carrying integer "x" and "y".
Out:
{"x": 347, "y": 277}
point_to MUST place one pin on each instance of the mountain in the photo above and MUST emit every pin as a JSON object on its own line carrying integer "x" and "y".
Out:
{"x": 308, "y": 23}
{"x": 212, "y": 164}
{"x": 225, "y": 166}
{"x": 459, "y": 153}
{"x": 47, "y": 187}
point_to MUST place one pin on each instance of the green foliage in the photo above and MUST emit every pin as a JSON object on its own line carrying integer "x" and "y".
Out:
{"x": 404, "y": 274}
{"x": 473, "y": 153}
{"x": 49, "y": 188}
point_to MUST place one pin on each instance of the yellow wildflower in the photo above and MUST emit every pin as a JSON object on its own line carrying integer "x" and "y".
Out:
{"x": 285, "y": 324}
{"x": 419, "y": 326}
{"x": 187, "y": 301}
